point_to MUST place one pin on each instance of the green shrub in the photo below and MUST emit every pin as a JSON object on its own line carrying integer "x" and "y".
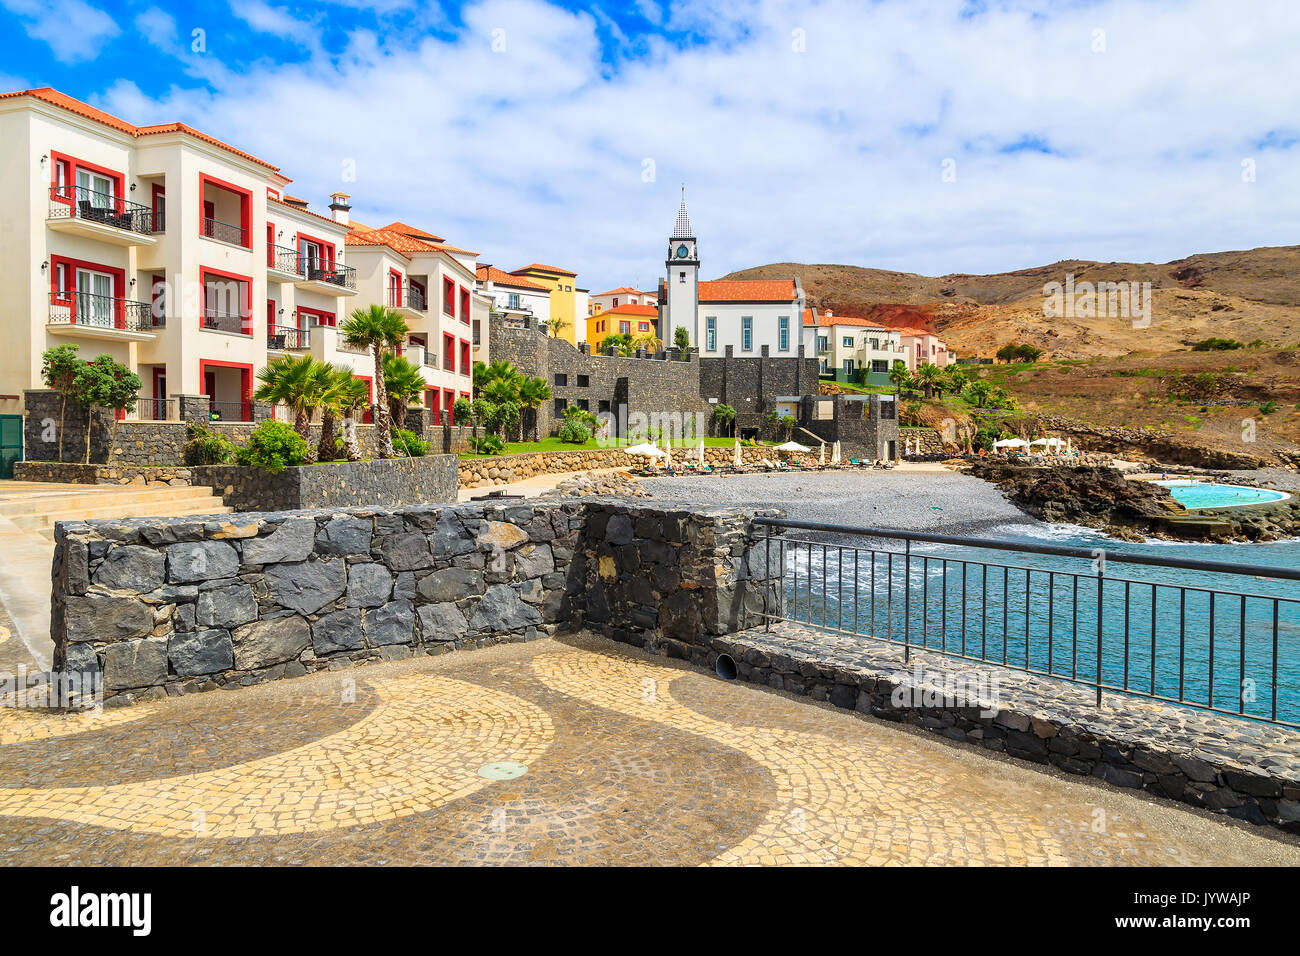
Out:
{"x": 273, "y": 446}
{"x": 574, "y": 431}
{"x": 206, "y": 447}
{"x": 1216, "y": 345}
{"x": 487, "y": 445}
{"x": 462, "y": 411}
{"x": 410, "y": 444}
{"x": 1268, "y": 408}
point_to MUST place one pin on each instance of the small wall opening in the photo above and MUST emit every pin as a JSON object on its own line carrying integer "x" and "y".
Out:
{"x": 725, "y": 667}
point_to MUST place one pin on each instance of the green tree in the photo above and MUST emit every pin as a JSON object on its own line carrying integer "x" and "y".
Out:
{"x": 556, "y": 325}
{"x": 955, "y": 379}
{"x": 353, "y": 394}
{"x": 59, "y": 367}
{"x": 930, "y": 377}
{"x": 900, "y": 377}
{"x": 381, "y": 330}
{"x": 105, "y": 383}
{"x": 296, "y": 383}
{"x": 533, "y": 393}
{"x": 619, "y": 340}
{"x": 341, "y": 395}
{"x": 724, "y": 415}
{"x": 404, "y": 383}
{"x": 682, "y": 337}
{"x": 462, "y": 411}
{"x": 978, "y": 392}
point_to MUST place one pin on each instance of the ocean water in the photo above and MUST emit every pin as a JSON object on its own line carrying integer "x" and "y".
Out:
{"x": 1231, "y": 641}
{"x": 1208, "y": 494}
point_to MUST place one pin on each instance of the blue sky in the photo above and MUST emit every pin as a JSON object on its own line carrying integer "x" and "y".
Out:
{"x": 921, "y": 135}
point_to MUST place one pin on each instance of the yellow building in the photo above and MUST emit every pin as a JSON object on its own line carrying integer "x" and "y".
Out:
{"x": 568, "y": 302}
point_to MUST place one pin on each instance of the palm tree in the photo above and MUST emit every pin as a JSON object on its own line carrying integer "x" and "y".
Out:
{"x": 978, "y": 393}
{"x": 648, "y": 341}
{"x": 931, "y": 378}
{"x": 533, "y": 393}
{"x": 296, "y": 383}
{"x": 334, "y": 402}
{"x": 900, "y": 377}
{"x": 353, "y": 394}
{"x": 381, "y": 330}
{"x": 404, "y": 383}
{"x": 955, "y": 379}
{"x": 556, "y": 325}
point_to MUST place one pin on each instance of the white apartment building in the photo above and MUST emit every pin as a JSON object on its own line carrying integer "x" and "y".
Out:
{"x": 514, "y": 297}
{"x": 846, "y": 346}
{"x": 177, "y": 254}
{"x": 744, "y": 314}
{"x": 431, "y": 285}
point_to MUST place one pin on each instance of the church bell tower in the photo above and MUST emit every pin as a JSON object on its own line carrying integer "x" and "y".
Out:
{"x": 683, "y": 283}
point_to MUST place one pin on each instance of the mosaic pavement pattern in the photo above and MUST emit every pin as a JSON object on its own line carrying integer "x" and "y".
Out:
{"x": 578, "y": 751}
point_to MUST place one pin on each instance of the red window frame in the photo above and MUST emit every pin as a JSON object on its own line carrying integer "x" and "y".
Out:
{"x": 328, "y": 254}
{"x": 72, "y": 164}
{"x": 624, "y": 328}
{"x": 246, "y": 297}
{"x": 370, "y": 395}
{"x": 449, "y": 297}
{"x": 270, "y": 315}
{"x": 449, "y": 404}
{"x": 395, "y": 292}
{"x": 68, "y": 296}
{"x": 322, "y": 317}
{"x": 245, "y": 382}
{"x": 464, "y": 305}
{"x": 157, "y": 192}
{"x": 448, "y": 352}
{"x": 465, "y": 364}
{"x": 245, "y": 206}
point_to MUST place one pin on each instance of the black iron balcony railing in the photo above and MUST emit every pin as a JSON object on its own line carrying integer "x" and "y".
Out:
{"x": 225, "y": 232}
{"x": 415, "y": 299}
{"x": 288, "y": 338}
{"x": 318, "y": 270}
{"x": 155, "y": 409}
{"x": 102, "y": 311}
{"x": 1185, "y": 631}
{"x": 283, "y": 259}
{"x": 214, "y": 320}
{"x": 230, "y": 411}
{"x": 78, "y": 202}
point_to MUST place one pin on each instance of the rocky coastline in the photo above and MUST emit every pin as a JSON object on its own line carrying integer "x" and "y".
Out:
{"x": 1103, "y": 498}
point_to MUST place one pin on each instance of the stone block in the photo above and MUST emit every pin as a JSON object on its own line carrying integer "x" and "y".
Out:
{"x": 306, "y": 586}
{"x": 264, "y": 643}
{"x": 131, "y": 568}
{"x": 200, "y": 561}
{"x": 294, "y": 540}
{"x": 195, "y": 653}
{"x": 135, "y": 663}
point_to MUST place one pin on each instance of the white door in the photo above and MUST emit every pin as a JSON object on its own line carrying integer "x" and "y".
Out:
{"x": 94, "y": 298}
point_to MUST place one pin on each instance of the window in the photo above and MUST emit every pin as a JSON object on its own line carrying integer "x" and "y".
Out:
{"x": 847, "y": 341}
{"x": 584, "y": 381}
{"x": 449, "y": 297}
{"x": 312, "y": 317}
{"x": 616, "y": 302}
{"x": 783, "y": 333}
{"x": 561, "y": 380}
{"x": 681, "y": 277}
{"x": 464, "y": 305}
{"x": 464, "y": 358}
{"x": 643, "y": 326}
{"x": 449, "y": 352}
{"x": 875, "y": 345}
{"x": 711, "y": 334}
{"x": 747, "y": 333}
{"x": 625, "y": 328}
{"x": 512, "y": 300}
{"x": 603, "y": 406}
{"x": 583, "y": 404}
{"x": 560, "y": 405}
{"x": 823, "y": 343}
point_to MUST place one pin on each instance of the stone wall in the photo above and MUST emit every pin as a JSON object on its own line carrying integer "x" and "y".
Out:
{"x": 750, "y": 385}
{"x": 622, "y": 386}
{"x": 492, "y": 470}
{"x": 380, "y": 483}
{"x": 866, "y": 426}
{"x": 114, "y": 474}
{"x": 172, "y": 605}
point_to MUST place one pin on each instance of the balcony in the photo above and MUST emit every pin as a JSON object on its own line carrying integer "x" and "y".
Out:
{"x": 153, "y": 410}
{"x": 97, "y": 215}
{"x": 329, "y": 278}
{"x": 283, "y": 264}
{"x": 288, "y": 338}
{"x": 225, "y": 232}
{"x": 102, "y": 317}
{"x": 231, "y": 323}
{"x": 410, "y": 302}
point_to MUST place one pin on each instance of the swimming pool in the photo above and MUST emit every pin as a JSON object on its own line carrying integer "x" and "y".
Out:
{"x": 1194, "y": 495}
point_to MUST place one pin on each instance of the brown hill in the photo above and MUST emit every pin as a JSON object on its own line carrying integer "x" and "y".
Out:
{"x": 1247, "y": 295}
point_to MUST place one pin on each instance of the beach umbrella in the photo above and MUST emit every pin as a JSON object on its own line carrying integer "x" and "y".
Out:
{"x": 1010, "y": 443}
{"x": 737, "y": 460}
{"x": 644, "y": 450}
{"x": 821, "y": 454}
{"x": 835, "y": 454}
{"x": 701, "y": 451}
{"x": 668, "y": 453}
{"x": 792, "y": 446}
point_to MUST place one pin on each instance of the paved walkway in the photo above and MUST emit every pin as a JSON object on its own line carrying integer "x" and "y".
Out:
{"x": 574, "y": 751}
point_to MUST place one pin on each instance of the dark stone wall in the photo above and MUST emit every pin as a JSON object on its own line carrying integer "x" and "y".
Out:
{"x": 158, "y": 606}
{"x": 623, "y": 386}
{"x": 865, "y": 429}
{"x": 750, "y": 384}
{"x": 340, "y": 484}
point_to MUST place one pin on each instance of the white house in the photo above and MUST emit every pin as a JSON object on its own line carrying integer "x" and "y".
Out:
{"x": 847, "y": 346}
{"x": 746, "y": 314}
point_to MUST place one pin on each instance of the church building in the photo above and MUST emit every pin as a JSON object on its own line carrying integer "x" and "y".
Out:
{"x": 745, "y": 314}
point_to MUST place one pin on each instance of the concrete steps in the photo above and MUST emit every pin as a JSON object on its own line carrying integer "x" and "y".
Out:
{"x": 36, "y": 508}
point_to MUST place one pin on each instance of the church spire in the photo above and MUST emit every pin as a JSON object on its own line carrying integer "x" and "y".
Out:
{"x": 682, "y": 229}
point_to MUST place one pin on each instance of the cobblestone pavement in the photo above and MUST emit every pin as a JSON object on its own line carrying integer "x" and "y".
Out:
{"x": 572, "y": 751}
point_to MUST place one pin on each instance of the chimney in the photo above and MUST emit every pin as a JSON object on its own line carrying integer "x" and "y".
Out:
{"x": 488, "y": 284}
{"x": 340, "y": 207}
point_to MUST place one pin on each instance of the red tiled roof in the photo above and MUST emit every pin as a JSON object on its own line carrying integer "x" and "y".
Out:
{"x": 47, "y": 95}
{"x": 398, "y": 242}
{"x": 827, "y": 319}
{"x": 628, "y": 310}
{"x": 538, "y": 267}
{"x": 505, "y": 278}
{"x": 406, "y": 230}
{"x": 747, "y": 290}
{"x": 627, "y": 289}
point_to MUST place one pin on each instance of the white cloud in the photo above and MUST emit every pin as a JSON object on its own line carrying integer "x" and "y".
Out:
{"x": 159, "y": 28}
{"x": 536, "y": 153}
{"x": 74, "y": 30}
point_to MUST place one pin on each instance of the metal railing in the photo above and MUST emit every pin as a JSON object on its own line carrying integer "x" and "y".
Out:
{"x": 102, "y": 311}
{"x": 1203, "y": 641}
{"x": 155, "y": 410}
{"x": 214, "y": 320}
{"x": 283, "y": 259}
{"x": 78, "y": 202}
{"x": 288, "y": 338}
{"x": 414, "y": 298}
{"x": 230, "y": 411}
{"x": 225, "y": 232}
{"x": 318, "y": 270}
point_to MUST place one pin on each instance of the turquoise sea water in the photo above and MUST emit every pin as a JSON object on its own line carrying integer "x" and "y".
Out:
{"x": 1185, "y": 635}
{"x": 1205, "y": 494}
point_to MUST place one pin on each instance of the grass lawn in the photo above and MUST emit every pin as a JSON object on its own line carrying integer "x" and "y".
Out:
{"x": 554, "y": 444}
